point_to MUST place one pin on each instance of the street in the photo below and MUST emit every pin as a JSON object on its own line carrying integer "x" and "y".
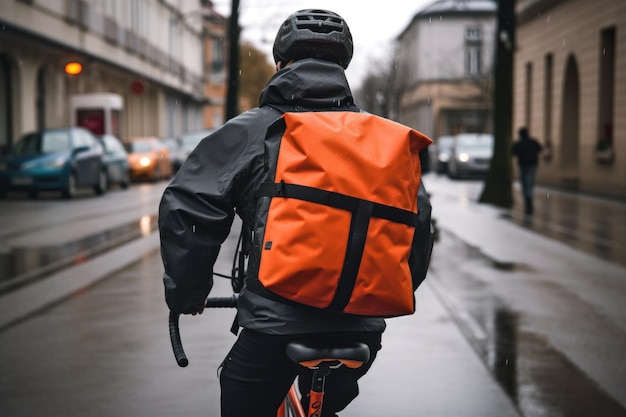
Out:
{"x": 509, "y": 322}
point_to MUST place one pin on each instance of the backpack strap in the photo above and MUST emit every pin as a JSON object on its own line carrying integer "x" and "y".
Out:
{"x": 337, "y": 200}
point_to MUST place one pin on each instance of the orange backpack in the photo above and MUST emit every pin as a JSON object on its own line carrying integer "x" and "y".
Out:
{"x": 337, "y": 215}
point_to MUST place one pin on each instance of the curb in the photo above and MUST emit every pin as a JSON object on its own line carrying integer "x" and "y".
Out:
{"x": 23, "y": 302}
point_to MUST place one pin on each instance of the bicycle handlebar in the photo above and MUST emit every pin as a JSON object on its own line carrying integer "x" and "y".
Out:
{"x": 177, "y": 344}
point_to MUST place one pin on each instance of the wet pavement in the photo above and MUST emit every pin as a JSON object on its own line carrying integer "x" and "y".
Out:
{"x": 514, "y": 319}
{"x": 552, "y": 310}
{"x": 592, "y": 224}
{"x": 539, "y": 379}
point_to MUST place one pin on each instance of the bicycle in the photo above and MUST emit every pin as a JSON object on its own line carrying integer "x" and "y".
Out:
{"x": 321, "y": 359}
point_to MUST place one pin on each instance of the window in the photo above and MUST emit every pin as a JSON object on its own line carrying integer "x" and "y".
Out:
{"x": 472, "y": 60}
{"x": 473, "y": 51}
{"x": 547, "y": 98}
{"x": 529, "y": 95}
{"x": 473, "y": 34}
{"x": 54, "y": 141}
{"x": 607, "y": 86}
{"x": 217, "y": 56}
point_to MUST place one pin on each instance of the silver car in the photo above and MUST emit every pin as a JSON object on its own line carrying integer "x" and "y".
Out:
{"x": 471, "y": 155}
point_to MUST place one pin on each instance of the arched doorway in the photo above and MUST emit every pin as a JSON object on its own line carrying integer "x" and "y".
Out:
{"x": 6, "y": 115}
{"x": 570, "y": 125}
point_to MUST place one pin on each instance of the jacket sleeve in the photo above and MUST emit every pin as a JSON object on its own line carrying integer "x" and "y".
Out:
{"x": 423, "y": 239}
{"x": 197, "y": 210}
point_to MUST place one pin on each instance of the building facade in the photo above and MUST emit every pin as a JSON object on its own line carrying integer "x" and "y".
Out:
{"x": 445, "y": 67}
{"x": 570, "y": 67}
{"x": 215, "y": 66}
{"x": 149, "y": 52}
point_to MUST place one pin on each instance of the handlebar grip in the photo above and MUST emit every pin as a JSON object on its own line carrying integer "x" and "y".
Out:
{"x": 222, "y": 302}
{"x": 177, "y": 344}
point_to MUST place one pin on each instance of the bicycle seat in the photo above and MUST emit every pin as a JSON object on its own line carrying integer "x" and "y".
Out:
{"x": 311, "y": 354}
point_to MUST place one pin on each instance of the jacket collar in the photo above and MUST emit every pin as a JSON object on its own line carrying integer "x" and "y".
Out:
{"x": 308, "y": 85}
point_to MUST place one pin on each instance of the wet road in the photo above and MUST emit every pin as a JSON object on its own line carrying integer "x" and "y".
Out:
{"x": 38, "y": 237}
{"x": 105, "y": 351}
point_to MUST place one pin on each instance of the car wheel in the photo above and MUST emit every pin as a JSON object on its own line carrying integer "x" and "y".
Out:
{"x": 452, "y": 172}
{"x": 103, "y": 183}
{"x": 125, "y": 180}
{"x": 70, "y": 190}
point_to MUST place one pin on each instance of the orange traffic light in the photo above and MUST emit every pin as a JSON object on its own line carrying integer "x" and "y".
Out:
{"x": 73, "y": 68}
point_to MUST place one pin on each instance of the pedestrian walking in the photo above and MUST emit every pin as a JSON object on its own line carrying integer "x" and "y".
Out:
{"x": 527, "y": 149}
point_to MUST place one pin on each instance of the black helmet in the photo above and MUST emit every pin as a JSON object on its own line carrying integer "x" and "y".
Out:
{"x": 314, "y": 33}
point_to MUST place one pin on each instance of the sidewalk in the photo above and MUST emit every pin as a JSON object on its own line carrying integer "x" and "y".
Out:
{"x": 582, "y": 312}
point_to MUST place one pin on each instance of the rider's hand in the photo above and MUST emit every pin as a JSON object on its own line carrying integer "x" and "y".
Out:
{"x": 195, "y": 304}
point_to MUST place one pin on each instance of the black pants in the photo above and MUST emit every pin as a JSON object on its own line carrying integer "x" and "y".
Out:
{"x": 257, "y": 374}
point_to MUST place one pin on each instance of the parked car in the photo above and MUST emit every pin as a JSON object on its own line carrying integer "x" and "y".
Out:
{"x": 148, "y": 158}
{"x": 176, "y": 152}
{"x": 440, "y": 154}
{"x": 189, "y": 140}
{"x": 115, "y": 161}
{"x": 471, "y": 155}
{"x": 54, "y": 159}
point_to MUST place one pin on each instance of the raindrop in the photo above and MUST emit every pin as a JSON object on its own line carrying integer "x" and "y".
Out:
{"x": 430, "y": 20}
{"x": 548, "y": 19}
{"x": 239, "y": 72}
{"x": 193, "y": 228}
{"x": 563, "y": 41}
{"x": 547, "y": 196}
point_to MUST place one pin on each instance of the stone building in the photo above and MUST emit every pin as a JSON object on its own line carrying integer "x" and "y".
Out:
{"x": 445, "y": 67}
{"x": 151, "y": 53}
{"x": 570, "y": 67}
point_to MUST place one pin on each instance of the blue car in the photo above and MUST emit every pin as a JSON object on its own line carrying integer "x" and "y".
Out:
{"x": 54, "y": 159}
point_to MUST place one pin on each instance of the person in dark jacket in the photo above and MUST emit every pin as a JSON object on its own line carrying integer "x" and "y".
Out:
{"x": 527, "y": 150}
{"x": 221, "y": 177}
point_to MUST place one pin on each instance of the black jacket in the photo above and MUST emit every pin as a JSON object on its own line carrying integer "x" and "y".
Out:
{"x": 527, "y": 151}
{"x": 223, "y": 174}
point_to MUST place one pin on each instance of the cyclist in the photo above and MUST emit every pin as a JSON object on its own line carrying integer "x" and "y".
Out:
{"x": 221, "y": 177}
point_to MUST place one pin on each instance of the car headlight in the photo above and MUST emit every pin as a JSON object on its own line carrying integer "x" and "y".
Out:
{"x": 145, "y": 161}
{"x": 464, "y": 157}
{"x": 444, "y": 157}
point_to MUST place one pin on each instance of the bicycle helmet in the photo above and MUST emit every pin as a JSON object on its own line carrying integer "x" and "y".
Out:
{"x": 314, "y": 33}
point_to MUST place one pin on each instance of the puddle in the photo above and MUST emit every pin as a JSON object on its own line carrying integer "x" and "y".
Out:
{"x": 23, "y": 265}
